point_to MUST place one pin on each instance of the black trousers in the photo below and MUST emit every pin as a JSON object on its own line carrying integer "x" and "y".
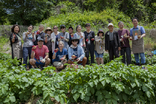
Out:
{"x": 50, "y": 56}
{"x": 113, "y": 52}
{"x": 90, "y": 49}
{"x": 127, "y": 51}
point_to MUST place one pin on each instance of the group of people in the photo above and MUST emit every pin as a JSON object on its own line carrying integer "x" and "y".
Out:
{"x": 57, "y": 48}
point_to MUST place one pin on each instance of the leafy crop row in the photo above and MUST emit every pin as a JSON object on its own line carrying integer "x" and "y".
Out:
{"x": 111, "y": 83}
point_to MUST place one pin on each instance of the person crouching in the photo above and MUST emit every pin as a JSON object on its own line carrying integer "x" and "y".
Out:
{"x": 76, "y": 53}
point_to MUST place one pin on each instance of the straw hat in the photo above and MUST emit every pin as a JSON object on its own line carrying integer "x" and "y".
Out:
{"x": 48, "y": 28}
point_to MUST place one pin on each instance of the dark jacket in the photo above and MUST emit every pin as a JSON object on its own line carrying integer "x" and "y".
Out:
{"x": 116, "y": 40}
{"x": 38, "y": 35}
{"x": 92, "y": 35}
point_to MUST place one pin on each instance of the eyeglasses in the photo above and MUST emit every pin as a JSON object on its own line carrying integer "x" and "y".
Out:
{"x": 74, "y": 41}
{"x": 48, "y": 30}
{"x": 55, "y": 28}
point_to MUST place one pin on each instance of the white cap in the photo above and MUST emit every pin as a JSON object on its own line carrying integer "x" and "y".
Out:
{"x": 110, "y": 24}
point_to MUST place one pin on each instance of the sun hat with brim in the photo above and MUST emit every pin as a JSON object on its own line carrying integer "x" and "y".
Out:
{"x": 75, "y": 38}
{"x": 110, "y": 24}
{"x": 48, "y": 28}
{"x": 40, "y": 39}
{"x": 100, "y": 31}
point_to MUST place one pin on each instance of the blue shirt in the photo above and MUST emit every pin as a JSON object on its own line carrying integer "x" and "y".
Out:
{"x": 75, "y": 52}
{"x": 59, "y": 54}
{"x": 137, "y": 28}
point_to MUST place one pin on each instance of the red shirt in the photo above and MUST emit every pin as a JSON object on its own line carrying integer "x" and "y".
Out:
{"x": 40, "y": 52}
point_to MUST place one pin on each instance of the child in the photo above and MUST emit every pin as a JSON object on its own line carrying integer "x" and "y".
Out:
{"x": 99, "y": 47}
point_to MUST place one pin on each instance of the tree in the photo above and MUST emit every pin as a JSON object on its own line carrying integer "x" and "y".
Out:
{"x": 27, "y": 12}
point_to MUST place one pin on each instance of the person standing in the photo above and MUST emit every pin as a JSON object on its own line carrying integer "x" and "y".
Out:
{"x": 15, "y": 42}
{"x": 28, "y": 38}
{"x": 71, "y": 35}
{"x": 89, "y": 41}
{"x": 136, "y": 35}
{"x": 39, "y": 33}
{"x": 64, "y": 36}
{"x": 54, "y": 37}
{"x": 48, "y": 41}
{"x": 80, "y": 35}
{"x": 124, "y": 41}
{"x": 112, "y": 42}
{"x": 99, "y": 47}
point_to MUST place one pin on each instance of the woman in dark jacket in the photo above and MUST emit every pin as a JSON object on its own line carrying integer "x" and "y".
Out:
{"x": 112, "y": 42}
{"x": 15, "y": 42}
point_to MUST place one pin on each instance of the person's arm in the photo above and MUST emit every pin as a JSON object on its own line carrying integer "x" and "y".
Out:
{"x": 32, "y": 54}
{"x": 106, "y": 42}
{"x": 93, "y": 36}
{"x": 82, "y": 54}
{"x": 13, "y": 36}
{"x": 25, "y": 36}
{"x": 118, "y": 41}
{"x": 84, "y": 44}
{"x": 54, "y": 55}
{"x": 67, "y": 37}
{"x": 142, "y": 32}
{"x": 34, "y": 36}
{"x": 69, "y": 53}
{"x": 47, "y": 56}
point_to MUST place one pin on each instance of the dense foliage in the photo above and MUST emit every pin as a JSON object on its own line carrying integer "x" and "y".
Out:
{"x": 111, "y": 83}
{"x": 27, "y": 12}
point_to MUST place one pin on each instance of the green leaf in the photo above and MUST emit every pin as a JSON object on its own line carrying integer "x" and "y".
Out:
{"x": 76, "y": 96}
{"x": 100, "y": 97}
{"x": 92, "y": 90}
{"x": 87, "y": 98}
{"x": 57, "y": 98}
{"x": 107, "y": 96}
{"x": 148, "y": 94}
{"x": 103, "y": 83}
{"x": 25, "y": 79}
{"x": 91, "y": 84}
{"x": 12, "y": 98}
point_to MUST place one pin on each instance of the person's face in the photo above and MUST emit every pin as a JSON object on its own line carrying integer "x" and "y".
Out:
{"x": 121, "y": 25}
{"x": 88, "y": 28}
{"x": 63, "y": 29}
{"x": 61, "y": 45}
{"x": 74, "y": 42}
{"x": 41, "y": 28}
{"x": 111, "y": 28}
{"x": 40, "y": 43}
{"x": 135, "y": 22}
{"x": 16, "y": 29}
{"x": 55, "y": 29}
{"x": 30, "y": 28}
{"x": 70, "y": 30}
{"x": 79, "y": 29}
{"x": 48, "y": 31}
{"x": 100, "y": 34}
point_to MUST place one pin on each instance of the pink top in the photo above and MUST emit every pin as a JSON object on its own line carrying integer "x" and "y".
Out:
{"x": 40, "y": 52}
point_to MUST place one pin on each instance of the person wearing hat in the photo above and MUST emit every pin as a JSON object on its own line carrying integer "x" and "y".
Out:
{"x": 64, "y": 36}
{"x": 71, "y": 34}
{"x": 39, "y": 56}
{"x": 124, "y": 41}
{"x": 48, "y": 41}
{"x": 59, "y": 56}
{"x": 39, "y": 33}
{"x": 76, "y": 53}
{"x": 112, "y": 42}
{"x": 99, "y": 47}
{"x": 89, "y": 42}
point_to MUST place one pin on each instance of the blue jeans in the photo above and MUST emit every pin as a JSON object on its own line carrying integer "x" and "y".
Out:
{"x": 143, "y": 59}
{"x": 26, "y": 54}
